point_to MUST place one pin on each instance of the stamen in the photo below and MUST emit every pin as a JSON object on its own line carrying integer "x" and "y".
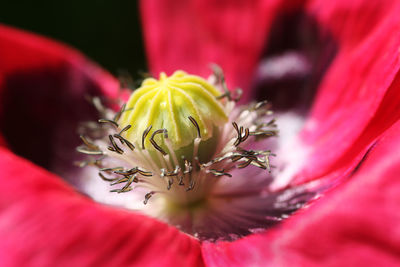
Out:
{"x": 191, "y": 186}
{"x": 89, "y": 144}
{"x": 109, "y": 121}
{"x": 219, "y": 173}
{"x": 192, "y": 120}
{"x": 127, "y": 127}
{"x": 181, "y": 180}
{"x": 170, "y": 182}
{"x": 124, "y": 141}
{"x": 185, "y": 171}
{"x": 111, "y": 169}
{"x": 240, "y": 139}
{"x": 260, "y": 104}
{"x": 145, "y": 133}
{"x": 148, "y": 196}
{"x": 105, "y": 178}
{"x": 153, "y": 142}
{"x": 119, "y": 113}
{"x": 89, "y": 152}
{"x": 122, "y": 190}
{"x": 114, "y": 147}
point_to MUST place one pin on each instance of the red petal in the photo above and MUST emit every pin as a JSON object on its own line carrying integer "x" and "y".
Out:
{"x": 190, "y": 35}
{"x": 43, "y": 221}
{"x": 357, "y": 224}
{"x": 43, "y": 86}
{"x": 358, "y": 98}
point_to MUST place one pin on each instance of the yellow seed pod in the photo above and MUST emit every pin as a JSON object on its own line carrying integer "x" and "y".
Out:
{"x": 175, "y": 103}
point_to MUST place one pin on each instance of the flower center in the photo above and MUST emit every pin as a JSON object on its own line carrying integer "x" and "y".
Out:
{"x": 180, "y": 145}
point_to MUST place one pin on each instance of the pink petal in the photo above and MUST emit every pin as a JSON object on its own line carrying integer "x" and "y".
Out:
{"x": 190, "y": 35}
{"x": 358, "y": 98}
{"x": 43, "y": 221}
{"x": 357, "y": 224}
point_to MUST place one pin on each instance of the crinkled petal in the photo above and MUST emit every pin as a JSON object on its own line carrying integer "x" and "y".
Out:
{"x": 44, "y": 221}
{"x": 190, "y": 35}
{"x": 359, "y": 97}
{"x": 356, "y": 224}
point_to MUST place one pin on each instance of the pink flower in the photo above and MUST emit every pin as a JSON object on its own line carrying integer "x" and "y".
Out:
{"x": 351, "y": 132}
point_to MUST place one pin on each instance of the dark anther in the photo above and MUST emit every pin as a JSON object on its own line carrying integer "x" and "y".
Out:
{"x": 84, "y": 150}
{"x": 144, "y": 173}
{"x": 191, "y": 185}
{"x": 240, "y": 138}
{"x": 245, "y": 164}
{"x": 145, "y": 133}
{"x": 126, "y": 128}
{"x": 130, "y": 181}
{"x": 148, "y": 196}
{"x": 121, "y": 180}
{"x": 88, "y": 143}
{"x": 194, "y": 122}
{"x": 122, "y": 190}
{"x": 111, "y": 169}
{"x": 265, "y": 134}
{"x": 220, "y": 173}
{"x": 125, "y": 141}
{"x": 260, "y": 104}
{"x": 246, "y": 134}
{"x": 119, "y": 113}
{"x": 108, "y": 121}
{"x": 188, "y": 166}
{"x": 170, "y": 182}
{"x": 153, "y": 142}
{"x": 106, "y": 179}
{"x": 114, "y": 145}
{"x": 128, "y": 172}
{"x": 181, "y": 181}
{"x": 172, "y": 173}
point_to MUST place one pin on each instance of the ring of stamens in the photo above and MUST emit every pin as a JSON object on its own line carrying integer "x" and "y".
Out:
{"x": 127, "y": 177}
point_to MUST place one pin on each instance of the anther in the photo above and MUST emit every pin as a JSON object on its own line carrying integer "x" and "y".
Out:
{"x": 111, "y": 169}
{"x": 105, "y": 178}
{"x": 148, "y": 196}
{"x": 125, "y": 141}
{"x": 108, "y": 121}
{"x": 153, "y": 142}
{"x": 145, "y": 133}
{"x": 114, "y": 145}
{"x": 89, "y": 152}
{"x": 191, "y": 185}
{"x": 194, "y": 122}
{"x": 126, "y": 128}
{"x": 88, "y": 143}
{"x": 170, "y": 182}
{"x": 119, "y": 113}
{"x": 220, "y": 173}
{"x": 180, "y": 182}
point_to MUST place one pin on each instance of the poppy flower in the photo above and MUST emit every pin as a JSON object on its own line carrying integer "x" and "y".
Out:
{"x": 350, "y": 136}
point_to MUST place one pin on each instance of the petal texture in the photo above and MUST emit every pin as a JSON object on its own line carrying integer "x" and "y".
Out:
{"x": 356, "y": 224}
{"x": 44, "y": 222}
{"x": 359, "y": 95}
{"x": 190, "y": 35}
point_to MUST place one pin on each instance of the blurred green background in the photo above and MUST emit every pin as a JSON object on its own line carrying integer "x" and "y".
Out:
{"x": 106, "y": 31}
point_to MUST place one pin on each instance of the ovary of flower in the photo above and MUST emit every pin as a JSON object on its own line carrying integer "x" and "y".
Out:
{"x": 176, "y": 104}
